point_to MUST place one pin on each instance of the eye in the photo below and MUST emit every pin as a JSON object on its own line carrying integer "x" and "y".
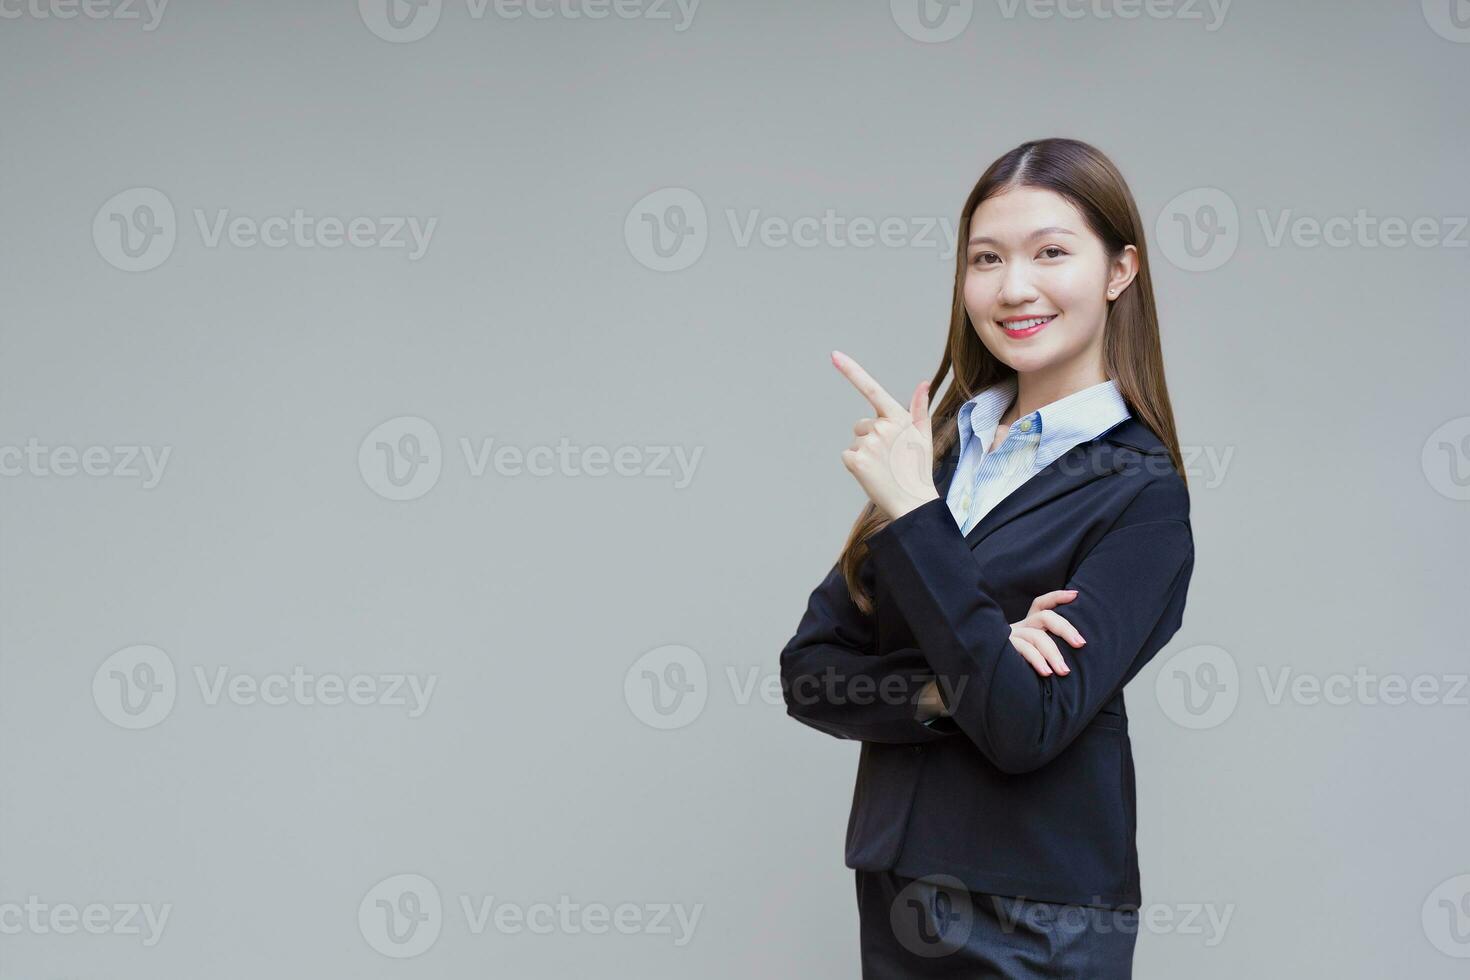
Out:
{"x": 1053, "y": 248}
{"x": 980, "y": 257}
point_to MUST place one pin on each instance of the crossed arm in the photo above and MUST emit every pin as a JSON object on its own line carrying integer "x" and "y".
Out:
{"x": 1131, "y": 588}
{"x": 834, "y": 683}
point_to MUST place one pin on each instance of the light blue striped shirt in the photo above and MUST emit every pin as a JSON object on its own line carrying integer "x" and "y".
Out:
{"x": 983, "y": 478}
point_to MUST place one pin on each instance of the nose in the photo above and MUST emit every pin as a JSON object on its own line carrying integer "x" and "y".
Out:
{"x": 1015, "y": 286}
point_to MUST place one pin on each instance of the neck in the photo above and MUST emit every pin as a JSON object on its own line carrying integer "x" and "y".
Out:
{"x": 1035, "y": 389}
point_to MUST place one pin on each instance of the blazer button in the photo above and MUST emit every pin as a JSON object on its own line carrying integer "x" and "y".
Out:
{"x": 918, "y": 749}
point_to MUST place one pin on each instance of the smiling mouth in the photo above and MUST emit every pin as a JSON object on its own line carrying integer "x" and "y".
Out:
{"x": 1025, "y": 328}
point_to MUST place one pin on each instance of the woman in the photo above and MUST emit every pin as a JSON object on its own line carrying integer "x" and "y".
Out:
{"x": 993, "y": 820}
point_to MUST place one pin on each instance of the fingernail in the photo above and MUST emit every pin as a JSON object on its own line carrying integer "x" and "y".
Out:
{"x": 1065, "y": 669}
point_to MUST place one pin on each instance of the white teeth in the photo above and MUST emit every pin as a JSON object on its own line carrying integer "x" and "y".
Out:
{"x": 1028, "y": 324}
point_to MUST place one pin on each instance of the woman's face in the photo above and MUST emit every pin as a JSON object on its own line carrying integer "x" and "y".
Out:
{"x": 1030, "y": 255}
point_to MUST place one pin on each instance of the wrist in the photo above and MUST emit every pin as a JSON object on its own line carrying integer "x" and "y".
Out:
{"x": 930, "y": 705}
{"x": 909, "y": 504}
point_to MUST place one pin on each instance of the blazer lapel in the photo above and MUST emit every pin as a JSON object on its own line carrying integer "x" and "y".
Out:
{"x": 1077, "y": 467}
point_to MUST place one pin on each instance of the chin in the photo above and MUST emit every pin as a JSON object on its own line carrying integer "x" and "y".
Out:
{"x": 1029, "y": 362}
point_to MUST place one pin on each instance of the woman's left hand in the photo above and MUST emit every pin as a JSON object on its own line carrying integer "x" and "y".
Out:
{"x": 893, "y": 454}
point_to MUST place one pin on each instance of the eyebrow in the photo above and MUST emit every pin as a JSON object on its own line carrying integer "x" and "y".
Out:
{"x": 1052, "y": 230}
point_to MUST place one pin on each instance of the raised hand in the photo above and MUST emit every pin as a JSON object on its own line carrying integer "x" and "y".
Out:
{"x": 892, "y": 456}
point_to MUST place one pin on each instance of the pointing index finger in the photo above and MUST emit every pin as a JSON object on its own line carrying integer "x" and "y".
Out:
{"x": 881, "y": 400}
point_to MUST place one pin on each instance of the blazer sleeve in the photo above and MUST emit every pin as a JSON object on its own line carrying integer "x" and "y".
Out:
{"x": 1130, "y": 601}
{"x": 834, "y": 683}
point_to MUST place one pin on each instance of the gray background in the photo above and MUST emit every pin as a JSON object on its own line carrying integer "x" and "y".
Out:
{"x": 1331, "y": 378}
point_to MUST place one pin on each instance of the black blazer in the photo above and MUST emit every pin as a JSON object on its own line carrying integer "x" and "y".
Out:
{"x": 1028, "y": 789}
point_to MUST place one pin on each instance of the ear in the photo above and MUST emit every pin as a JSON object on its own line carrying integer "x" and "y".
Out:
{"x": 1123, "y": 271}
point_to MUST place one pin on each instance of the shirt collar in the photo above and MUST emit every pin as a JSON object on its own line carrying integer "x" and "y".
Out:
{"x": 1077, "y": 418}
{"x": 979, "y": 416}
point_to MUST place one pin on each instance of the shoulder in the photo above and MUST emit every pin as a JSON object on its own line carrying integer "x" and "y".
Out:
{"x": 1159, "y": 497}
{"x": 1156, "y": 490}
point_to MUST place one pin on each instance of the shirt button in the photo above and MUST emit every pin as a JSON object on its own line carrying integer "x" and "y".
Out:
{"x": 965, "y": 501}
{"x": 1026, "y": 425}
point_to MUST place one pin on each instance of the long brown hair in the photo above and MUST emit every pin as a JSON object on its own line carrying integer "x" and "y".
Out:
{"x": 1132, "y": 357}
